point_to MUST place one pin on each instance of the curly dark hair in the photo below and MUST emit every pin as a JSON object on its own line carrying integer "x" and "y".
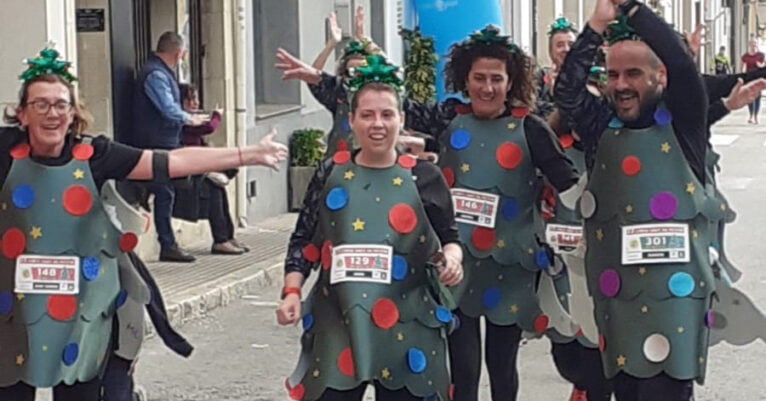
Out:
{"x": 518, "y": 66}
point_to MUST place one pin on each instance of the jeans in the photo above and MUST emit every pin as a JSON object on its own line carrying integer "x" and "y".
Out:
{"x": 117, "y": 382}
{"x": 755, "y": 107}
{"x": 164, "y": 195}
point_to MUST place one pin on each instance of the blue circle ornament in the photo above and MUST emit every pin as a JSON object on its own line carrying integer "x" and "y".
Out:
{"x": 122, "y": 296}
{"x": 615, "y": 123}
{"x": 399, "y": 268}
{"x": 541, "y": 259}
{"x": 431, "y": 397}
{"x": 681, "y": 284}
{"x": 510, "y": 209}
{"x": 662, "y": 116}
{"x": 308, "y": 322}
{"x": 70, "y": 354}
{"x": 23, "y": 196}
{"x": 336, "y": 199}
{"x": 490, "y": 298}
{"x": 416, "y": 360}
{"x": 443, "y": 314}
{"x": 6, "y": 302}
{"x": 90, "y": 268}
{"x": 346, "y": 125}
{"x": 460, "y": 139}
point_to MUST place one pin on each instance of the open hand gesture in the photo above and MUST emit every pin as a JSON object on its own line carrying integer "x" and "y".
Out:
{"x": 336, "y": 34}
{"x": 293, "y": 68}
{"x": 359, "y": 23}
{"x": 267, "y": 152}
{"x": 744, "y": 94}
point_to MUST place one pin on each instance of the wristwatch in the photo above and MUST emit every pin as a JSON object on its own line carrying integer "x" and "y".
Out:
{"x": 628, "y": 6}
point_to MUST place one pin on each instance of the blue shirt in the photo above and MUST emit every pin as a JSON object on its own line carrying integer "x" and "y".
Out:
{"x": 158, "y": 88}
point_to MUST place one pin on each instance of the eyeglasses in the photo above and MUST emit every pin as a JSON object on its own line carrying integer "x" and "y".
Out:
{"x": 43, "y": 107}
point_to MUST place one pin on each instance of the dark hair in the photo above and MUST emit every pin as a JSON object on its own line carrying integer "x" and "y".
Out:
{"x": 518, "y": 66}
{"x": 342, "y": 70}
{"x": 81, "y": 119}
{"x": 170, "y": 42}
{"x": 552, "y": 34}
{"x": 374, "y": 86}
{"x": 187, "y": 91}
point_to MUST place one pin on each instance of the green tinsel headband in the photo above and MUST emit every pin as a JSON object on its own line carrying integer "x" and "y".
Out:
{"x": 376, "y": 70}
{"x": 561, "y": 25}
{"x": 490, "y": 35}
{"x": 356, "y": 48}
{"x": 47, "y": 63}
{"x": 619, "y": 30}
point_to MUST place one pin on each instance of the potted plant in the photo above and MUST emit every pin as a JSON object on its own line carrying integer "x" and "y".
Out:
{"x": 306, "y": 151}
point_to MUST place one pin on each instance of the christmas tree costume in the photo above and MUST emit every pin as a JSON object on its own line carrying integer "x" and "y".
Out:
{"x": 60, "y": 284}
{"x": 648, "y": 224}
{"x": 372, "y": 314}
{"x": 495, "y": 201}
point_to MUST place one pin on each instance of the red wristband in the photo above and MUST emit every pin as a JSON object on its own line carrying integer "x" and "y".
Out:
{"x": 290, "y": 290}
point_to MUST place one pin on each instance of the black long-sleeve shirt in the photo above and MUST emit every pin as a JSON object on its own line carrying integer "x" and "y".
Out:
{"x": 719, "y": 86}
{"x": 546, "y": 153}
{"x": 330, "y": 91}
{"x": 684, "y": 96}
{"x": 434, "y": 194}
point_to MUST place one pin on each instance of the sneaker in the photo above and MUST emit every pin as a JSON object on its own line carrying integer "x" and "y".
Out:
{"x": 175, "y": 254}
{"x": 226, "y": 248}
{"x": 578, "y": 395}
{"x": 239, "y": 245}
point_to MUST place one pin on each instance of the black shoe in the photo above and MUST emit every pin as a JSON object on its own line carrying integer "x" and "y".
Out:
{"x": 175, "y": 254}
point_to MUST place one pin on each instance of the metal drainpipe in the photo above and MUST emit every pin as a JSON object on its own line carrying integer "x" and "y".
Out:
{"x": 240, "y": 100}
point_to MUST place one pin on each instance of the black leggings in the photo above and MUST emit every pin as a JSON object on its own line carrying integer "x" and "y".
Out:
{"x": 501, "y": 350}
{"x": 89, "y": 391}
{"x": 582, "y": 367}
{"x": 381, "y": 394}
{"x": 658, "y": 388}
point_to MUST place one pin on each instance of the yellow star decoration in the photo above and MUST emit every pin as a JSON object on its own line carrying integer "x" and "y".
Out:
{"x": 512, "y": 126}
{"x": 723, "y": 207}
{"x": 665, "y": 148}
{"x": 385, "y": 374}
{"x": 36, "y": 232}
{"x": 690, "y": 188}
{"x": 45, "y": 348}
{"x": 20, "y": 297}
{"x": 514, "y": 309}
{"x": 422, "y": 239}
{"x": 600, "y": 234}
{"x": 501, "y": 244}
{"x": 78, "y": 174}
{"x": 629, "y": 209}
{"x": 644, "y": 309}
{"x": 348, "y": 175}
{"x": 702, "y": 361}
{"x": 641, "y": 271}
{"x": 530, "y": 251}
{"x": 398, "y": 181}
{"x": 621, "y": 360}
{"x": 400, "y": 336}
{"x": 465, "y": 167}
{"x": 315, "y": 373}
{"x": 20, "y": 360}
{"x": 680, "y": 330}
{"x": 358, "y": 224}
{"x": 695, "y": 234}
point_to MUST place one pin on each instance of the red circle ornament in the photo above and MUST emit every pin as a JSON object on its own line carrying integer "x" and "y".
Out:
{"x": 342, "y": 145}
{"x": 402, "y": 218}
{"x": 519, "y": 112}
{"x": 483, "y": 238}
{"x": 13, "y": 243}
{"x": 326, "y": 254}
{"x": 82, "y": 152}
{"x": 601, "y": 343}
{"x": 451, "y": 392}
{"x": 463, "y": 109}
{"x": 566, "y": 141}
{"x": 61, "y": 307}
{"x": 346, "y": 363}
{"x": 296, "y": 393}
{"x": 449, "y": 176}
{"x": 384, "y": 313}
{"x": 311, "y": 253}
{"x": 541, "y": 323}
{"x": 508, "y": 155}
{"x": 77, "y": 200}
{"x": 631, "y": 166}
{"x": 341, "y": 157}
{"x": 20, "y": 151}
{"x": 407, "y": 162}
{"x": 128, "y": 242}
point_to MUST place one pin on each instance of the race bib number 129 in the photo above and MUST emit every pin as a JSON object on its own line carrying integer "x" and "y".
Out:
{"x": 362, "y": 263}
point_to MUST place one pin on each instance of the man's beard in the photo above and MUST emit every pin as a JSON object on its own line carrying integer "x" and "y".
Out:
{"x": 647, "y": 102}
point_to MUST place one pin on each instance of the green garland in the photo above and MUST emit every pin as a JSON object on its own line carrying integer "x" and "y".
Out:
{"x": 356, "y": 48}
{"x": 376, "y": 70}
{"x": 47, "y": 63}
{"x": 490, "y": 35}
{"x": 561, "y": 25}
{"x": 619, "y": 30}
{"x": 420, "y": 66}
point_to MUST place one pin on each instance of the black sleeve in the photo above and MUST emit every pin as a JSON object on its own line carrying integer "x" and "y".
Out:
{"x": 437, "y": 201}
{"x": 685, "y": 94}
{"x": 305, "y": 226}
{"x": 719, "y": 86}
{"x": 429, "y": 118}
{"x": 547, "y": 154}
{"x": 544, "y": 105}
{"x": 328, "y": 91}
{"x": 112, "y": 160}
{"x": 589, "y": 113}
{"x": 715, "y": 113}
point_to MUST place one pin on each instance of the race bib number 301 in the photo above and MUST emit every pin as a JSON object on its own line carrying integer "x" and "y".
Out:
{"x": 361, "y": 263}
{"x": 57, "y": 275}
{"x": 655, "y": 243}
{"x": 473, "y": 207}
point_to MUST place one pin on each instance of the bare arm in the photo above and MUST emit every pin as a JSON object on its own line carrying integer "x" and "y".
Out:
{"x": 335, "y": 38}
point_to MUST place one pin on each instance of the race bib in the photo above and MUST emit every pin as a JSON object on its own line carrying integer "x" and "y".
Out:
{"x": 362, "y": 263}
{"x": 54, "y": 275}
{"x": 655, "y": 243}
{"x": 473, "y": 207}
{"x": 564, "y": 239}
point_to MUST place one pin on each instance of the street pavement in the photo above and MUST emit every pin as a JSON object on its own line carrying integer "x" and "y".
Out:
{"x": 242, "y": 354}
